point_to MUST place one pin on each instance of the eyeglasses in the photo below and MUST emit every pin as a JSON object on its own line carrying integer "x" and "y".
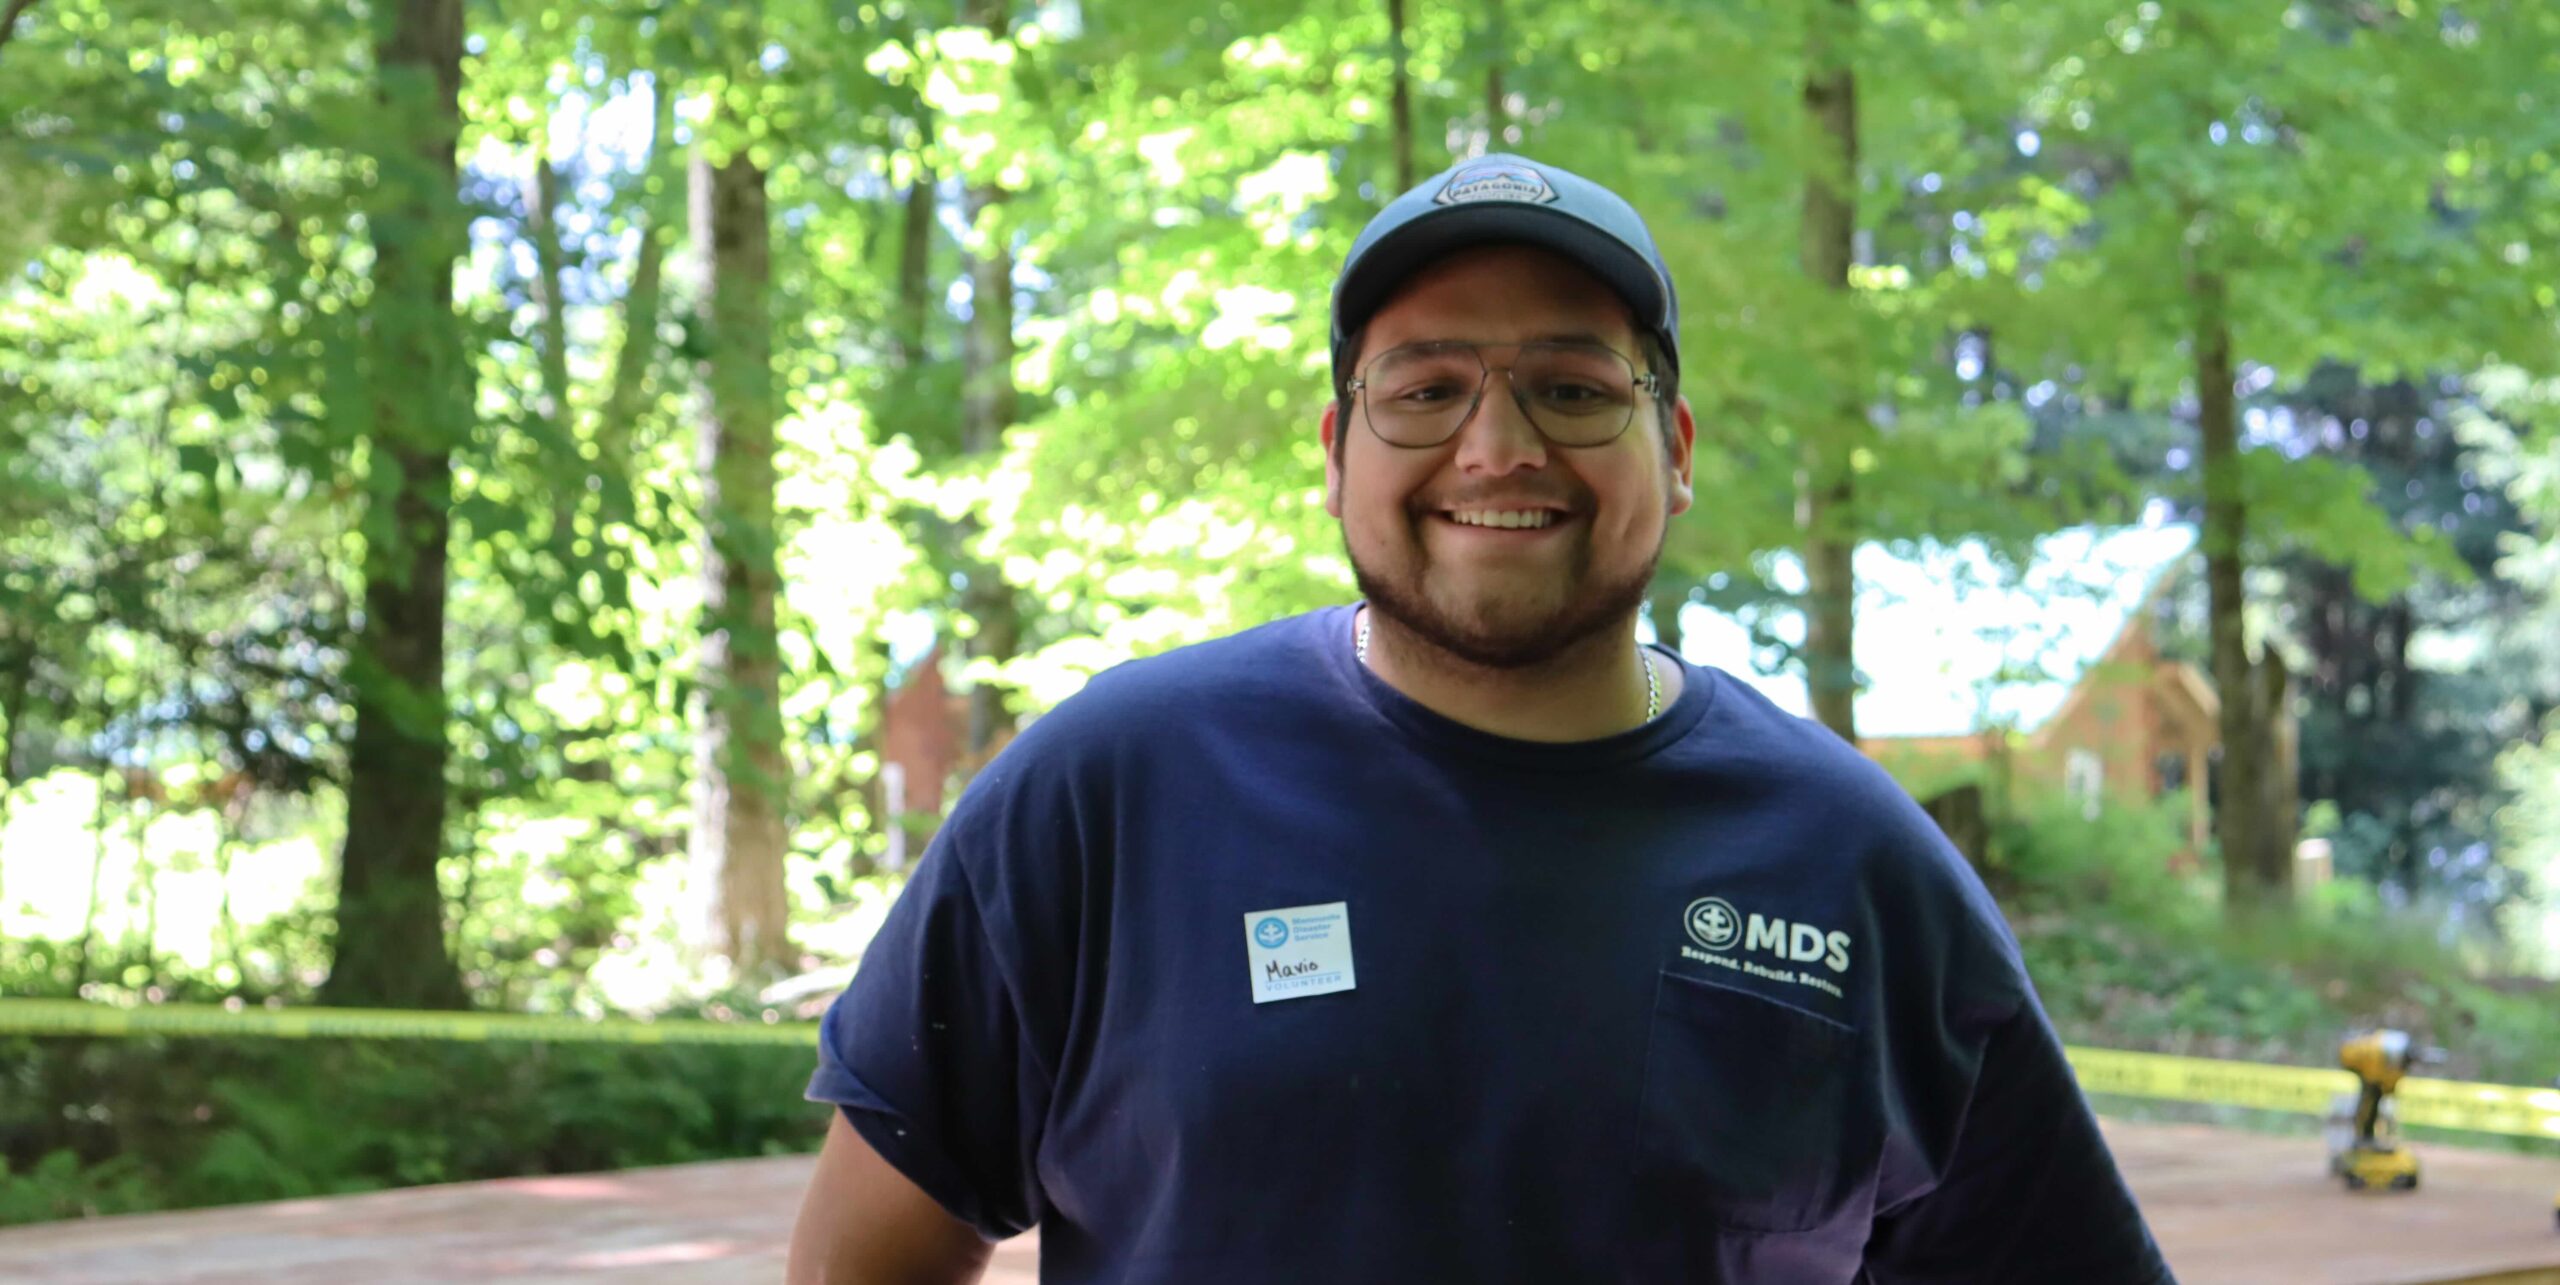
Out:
{"x": 1574, "y": 394}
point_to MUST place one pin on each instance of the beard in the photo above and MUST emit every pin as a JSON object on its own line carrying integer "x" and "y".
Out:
{"x": 1502, "y": 627}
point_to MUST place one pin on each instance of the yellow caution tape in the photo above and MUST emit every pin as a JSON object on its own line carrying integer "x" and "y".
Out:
{"x": 74, "y": 1017}
{"x": 2482, "y": 1108}
{"x": 2301, "y": 1089}
{"x": 2304, "y": 1090}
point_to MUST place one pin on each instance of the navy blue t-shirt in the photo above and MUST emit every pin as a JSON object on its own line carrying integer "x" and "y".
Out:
{"x": 1711, "y": 1000}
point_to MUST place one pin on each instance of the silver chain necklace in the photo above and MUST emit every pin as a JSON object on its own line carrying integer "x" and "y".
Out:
{"x": 1652, "y": 682}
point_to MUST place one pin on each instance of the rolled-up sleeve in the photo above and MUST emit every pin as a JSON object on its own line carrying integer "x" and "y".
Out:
{"x": 2030, "y": 1193}
{"x": 926, "y": 1053}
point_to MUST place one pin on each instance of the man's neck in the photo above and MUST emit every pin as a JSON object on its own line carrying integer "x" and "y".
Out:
{"x": 1593, "y": 689}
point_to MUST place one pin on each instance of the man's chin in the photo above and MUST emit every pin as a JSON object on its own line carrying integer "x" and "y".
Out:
{"x": 1508, "y": 637}
{"x": 1501, "y": 624}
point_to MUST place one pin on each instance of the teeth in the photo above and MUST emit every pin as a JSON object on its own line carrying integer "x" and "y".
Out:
{"x": 1508, "y": 519}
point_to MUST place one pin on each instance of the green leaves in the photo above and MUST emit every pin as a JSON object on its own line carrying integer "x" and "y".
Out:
{"x": 204, "y": 352}
{"x": 221, "y": 1122}
{"x": 2325, "y": 508}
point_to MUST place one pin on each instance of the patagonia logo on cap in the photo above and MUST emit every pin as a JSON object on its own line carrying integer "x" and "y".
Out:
{"x": 1496, "y": 181}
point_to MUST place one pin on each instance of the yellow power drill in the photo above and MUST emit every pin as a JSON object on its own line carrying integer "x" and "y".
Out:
{"x": 2365, "y": 1150}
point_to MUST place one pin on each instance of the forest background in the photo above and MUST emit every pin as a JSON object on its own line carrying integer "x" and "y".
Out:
{"x": 471, "y": 471}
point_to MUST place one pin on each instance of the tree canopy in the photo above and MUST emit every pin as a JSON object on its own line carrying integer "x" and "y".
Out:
{"x": 494, "y": 460}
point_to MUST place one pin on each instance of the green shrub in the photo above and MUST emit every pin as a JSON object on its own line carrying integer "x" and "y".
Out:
{"x": 2051, "y": 849}
{"x": 2127, "y": 954}
{"x": 59, "y": 1185}
{"x": 90, "y": 1125}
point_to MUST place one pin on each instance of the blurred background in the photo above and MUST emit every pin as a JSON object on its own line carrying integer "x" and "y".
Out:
{"x": 539, "y": 505}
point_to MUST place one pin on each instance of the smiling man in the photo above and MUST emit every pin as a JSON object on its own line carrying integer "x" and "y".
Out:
{"x": 1454, "y": 936}
{"x": 1502, "y": 533}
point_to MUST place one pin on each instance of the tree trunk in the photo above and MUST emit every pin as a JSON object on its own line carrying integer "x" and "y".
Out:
{"x": 915, "y": 276}
{"x": 466, "y": 899}
{"x": 1400, "y": 99}
{"x": 17, "y": 675}
{"x": 388, "y": 948}
{"x": 542, "y": 201}
{"x": 9, "y": 15}
{"x": 915, "y": 263}
{"x": 741, "y": 775}
{"x": 97, "y": 871}
{"x": 17, "y": 665}
{"x": 989, "y": 402}
{"x": 2395, "y": 696}
{"x": 1825, "y": 502}
{"x": 1497, "y": 53}
{"x": 988, "y": 395}
{"x": 229, "y": 820}
{"x": 639, "y": 342}
{"x": 143, "y": 888}
{"x": 150, "y": 917}
{"x": 2253, "y": 874}
{"x": 2283, "y": 821}
{"x": 619, "y": 429}
{"x": 1960, "y": 815}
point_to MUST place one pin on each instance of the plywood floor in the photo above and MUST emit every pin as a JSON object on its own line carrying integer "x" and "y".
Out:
{"x": 2233, "y": 1208}
{"x": 2230, "y": 1208}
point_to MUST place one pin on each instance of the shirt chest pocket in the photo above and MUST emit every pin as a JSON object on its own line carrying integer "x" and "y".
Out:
{"x": 1754, "y": 1115}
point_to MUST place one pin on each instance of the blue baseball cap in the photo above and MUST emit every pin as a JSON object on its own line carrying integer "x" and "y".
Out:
{"x": 1501, "y": 198}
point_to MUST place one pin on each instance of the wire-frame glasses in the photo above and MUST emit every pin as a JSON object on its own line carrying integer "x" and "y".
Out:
{"x": 1574, "y": 394}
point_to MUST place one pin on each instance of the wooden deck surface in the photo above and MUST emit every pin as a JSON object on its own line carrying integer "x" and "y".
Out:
{"x": 2233, "y": 1208}
{"x": 2230, "y": 1208}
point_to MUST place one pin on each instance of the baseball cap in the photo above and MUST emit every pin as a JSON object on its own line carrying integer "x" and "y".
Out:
{"x": 1504, "y": 198}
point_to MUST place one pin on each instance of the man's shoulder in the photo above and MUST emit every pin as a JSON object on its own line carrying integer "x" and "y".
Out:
{"x": 1804, "y": 753}
{"x": 1143, "y": 728}
{"x": 1281, "y": 653}
{"x": 1878, "y": 830}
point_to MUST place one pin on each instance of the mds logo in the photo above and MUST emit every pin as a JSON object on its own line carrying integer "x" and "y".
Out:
{"x": 1803, "y": 943}
{"x": 1715, "y": 924}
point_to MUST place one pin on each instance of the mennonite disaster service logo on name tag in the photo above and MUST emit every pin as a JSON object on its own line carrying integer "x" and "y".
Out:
{"x": 1495, "y": 181}
{"x": 1299, "y": 951}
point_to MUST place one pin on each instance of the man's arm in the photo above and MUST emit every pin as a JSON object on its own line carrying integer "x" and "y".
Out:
{"x": 2031, "y": 1193}
{"x": 864, "y": 1223}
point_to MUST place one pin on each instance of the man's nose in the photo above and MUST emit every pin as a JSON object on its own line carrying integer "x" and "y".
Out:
{"x": 1498, "y": 437}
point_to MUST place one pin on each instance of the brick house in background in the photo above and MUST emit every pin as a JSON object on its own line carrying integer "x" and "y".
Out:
{"x": 921, "y": 731}
{"x": 2051, "y": 678}
{"x": 2132, "y": 728}
{"x": 924, "y": 752}
{"x": 923, "y": 736}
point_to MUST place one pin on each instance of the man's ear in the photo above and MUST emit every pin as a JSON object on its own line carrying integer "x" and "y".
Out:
{"x": 1682, "y": 443}
{"x": 1332, "y": 458}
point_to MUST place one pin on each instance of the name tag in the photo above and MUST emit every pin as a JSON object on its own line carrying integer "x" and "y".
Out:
{"x": 1299, "y": 951}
